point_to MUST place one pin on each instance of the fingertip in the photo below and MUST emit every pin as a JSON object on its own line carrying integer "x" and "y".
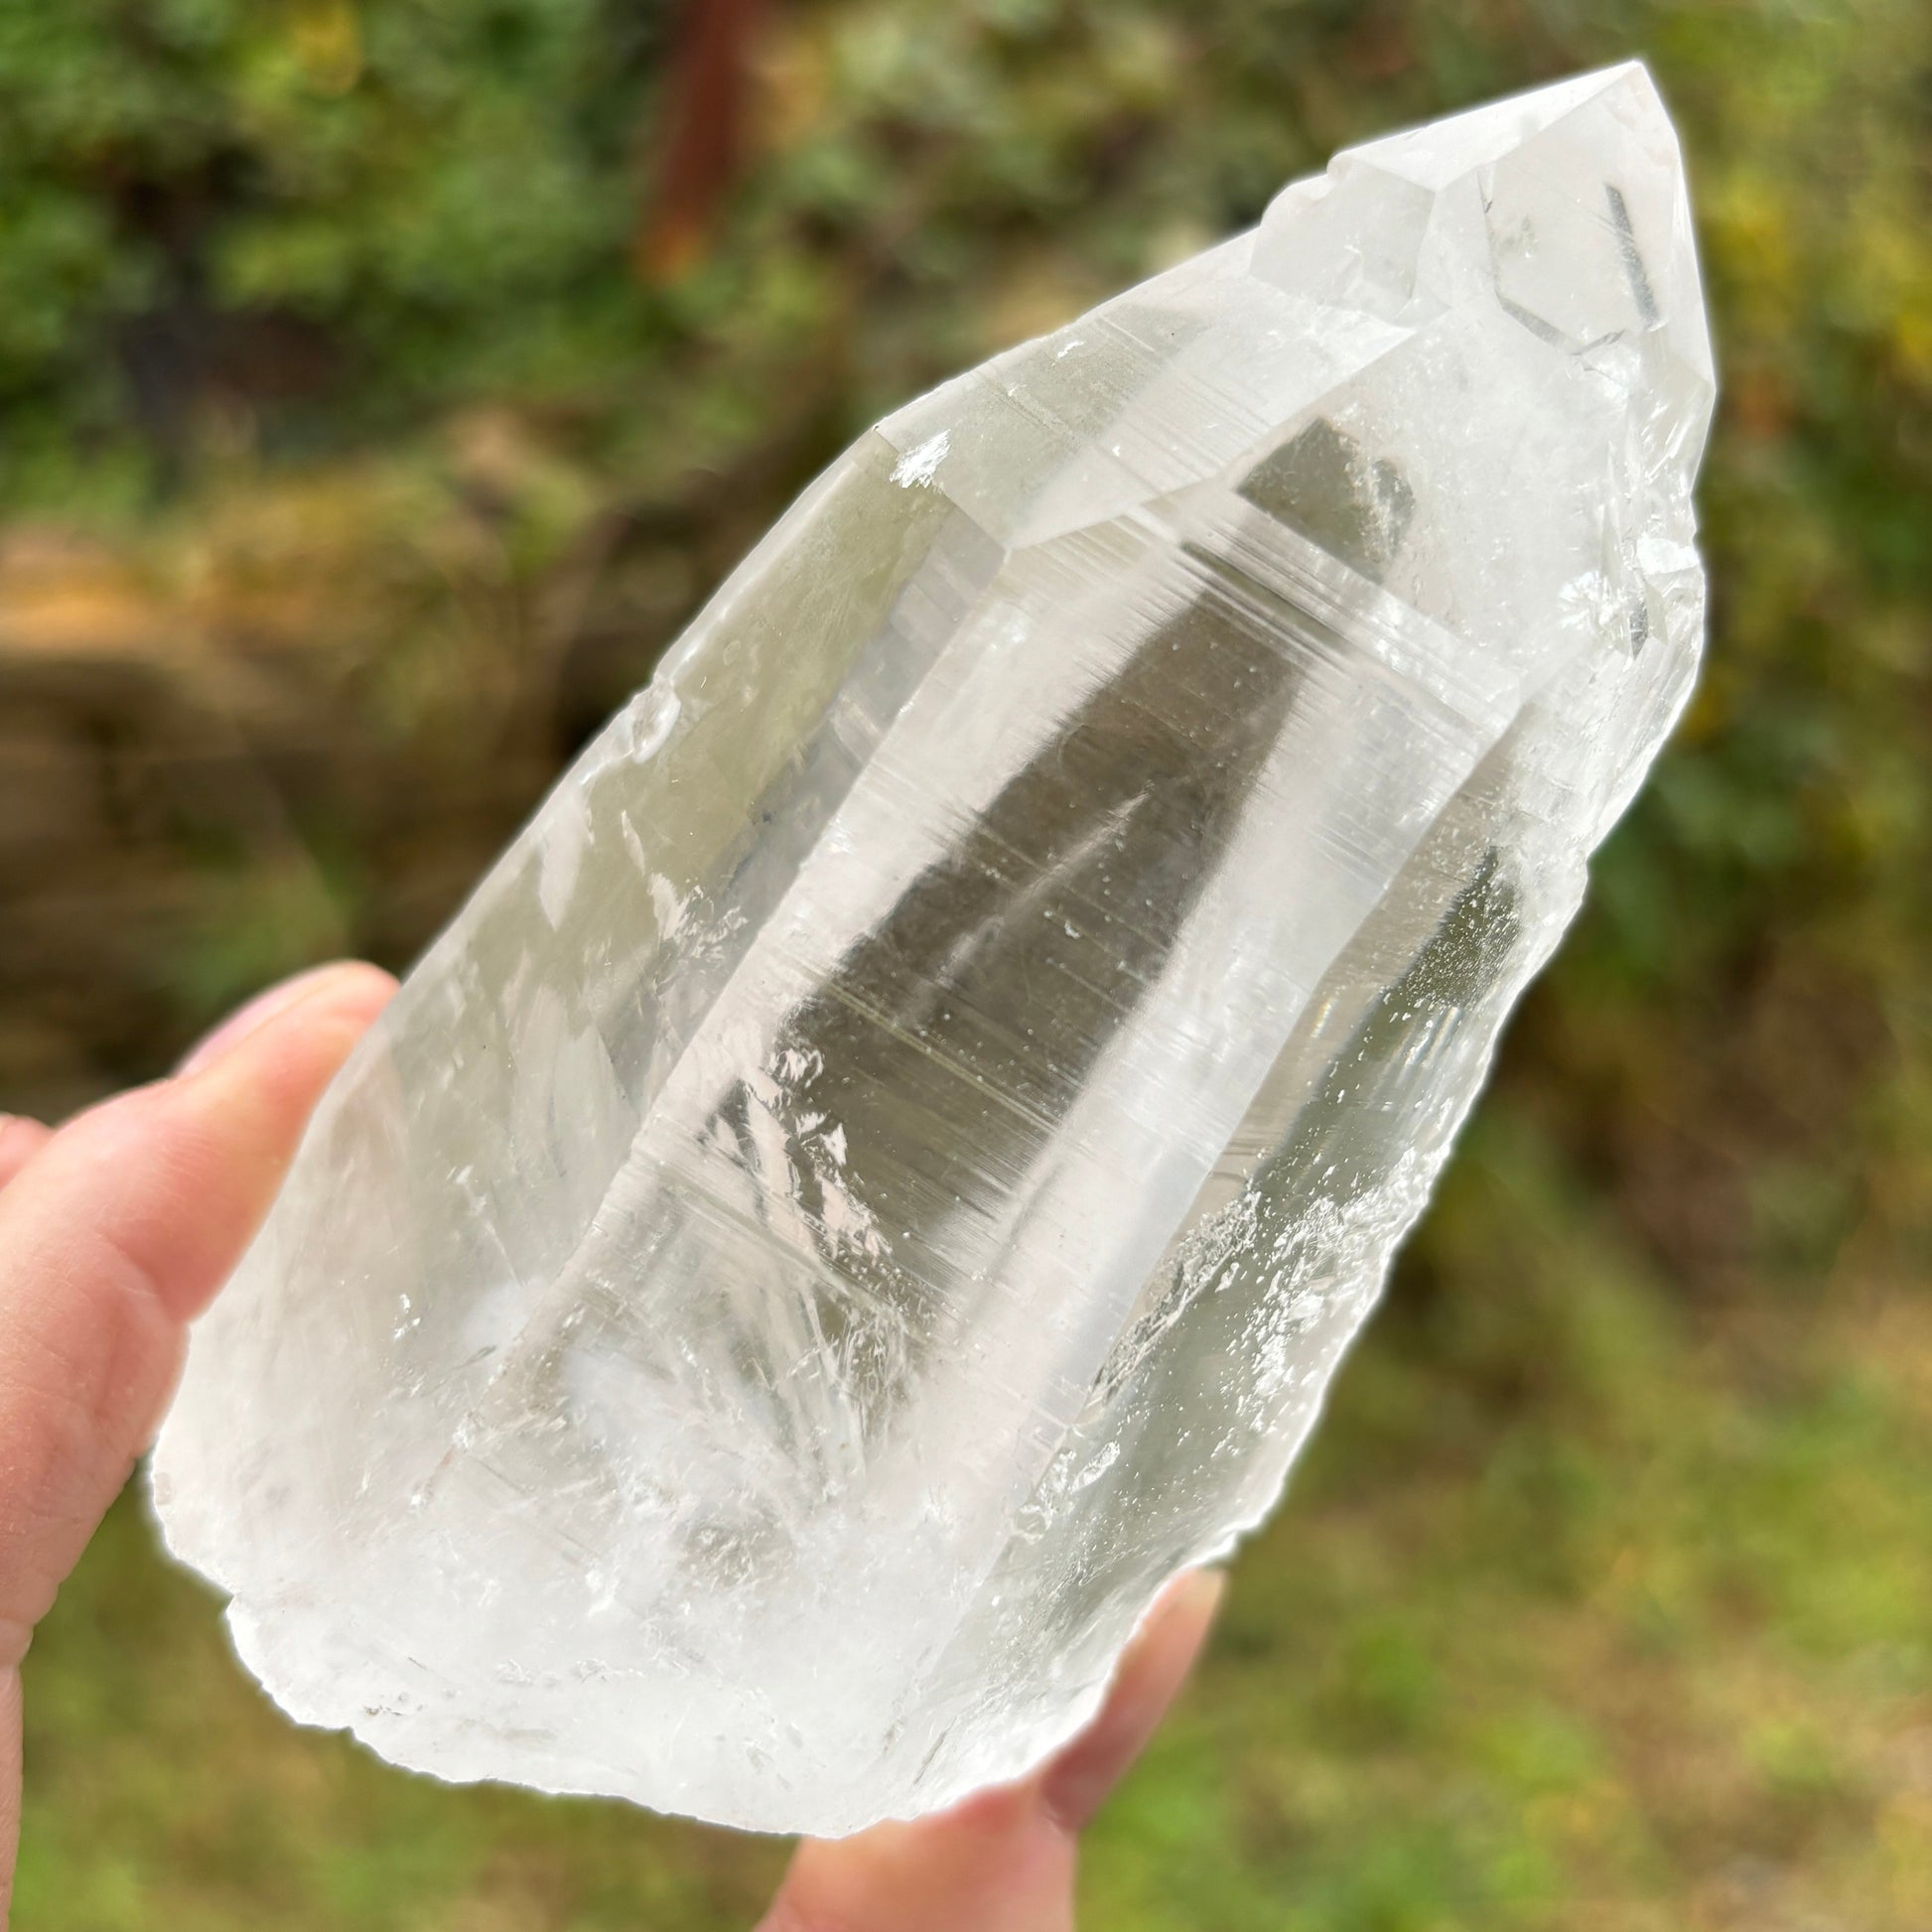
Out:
{"x": 304, "y": 1028}
{"x": 350, "y": 998}
{"x": 257, "y": 1090}
{"x": 1152, "y": 1668}
{"x": 1004, "y": 1859}
{"x": 356, "y": 983}
{"x": 350, "y": 987}
{"x": 118, "y": 1233}
{"x": 227, "y": 1133}
{"x": 1185, "y": 1609}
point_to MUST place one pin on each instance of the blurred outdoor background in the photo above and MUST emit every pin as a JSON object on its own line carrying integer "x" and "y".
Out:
{"x": 383, "y": 384}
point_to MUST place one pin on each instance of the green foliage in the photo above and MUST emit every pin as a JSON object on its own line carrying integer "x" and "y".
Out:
{"x": 1601, "y": 1599}
{"x": 435, "y": 191}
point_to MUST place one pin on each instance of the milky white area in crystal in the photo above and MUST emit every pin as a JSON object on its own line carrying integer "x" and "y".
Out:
{"x": 881, "y": 1174}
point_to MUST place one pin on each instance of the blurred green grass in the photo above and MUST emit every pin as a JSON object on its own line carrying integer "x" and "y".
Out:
{"x": 1601, "y": 1598}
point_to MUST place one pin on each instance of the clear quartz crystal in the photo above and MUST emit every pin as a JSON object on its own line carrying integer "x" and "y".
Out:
{"x": 882, "y": 1173}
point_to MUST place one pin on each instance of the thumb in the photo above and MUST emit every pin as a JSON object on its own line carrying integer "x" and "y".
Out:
{"x": 113, "y": 1234}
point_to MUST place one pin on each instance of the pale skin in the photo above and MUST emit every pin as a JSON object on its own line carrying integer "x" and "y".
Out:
{"x": 119, "y": 1228}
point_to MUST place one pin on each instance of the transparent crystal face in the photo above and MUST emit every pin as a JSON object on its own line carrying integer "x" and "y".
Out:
{"x": 882, "y": 1173}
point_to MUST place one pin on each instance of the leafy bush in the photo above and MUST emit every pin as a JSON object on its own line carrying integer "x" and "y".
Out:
{"x": 1602, "y": 1597}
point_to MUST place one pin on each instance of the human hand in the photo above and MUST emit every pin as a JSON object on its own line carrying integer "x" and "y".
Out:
{"x": 117, "y": 1230}
{"x": 114, "y": 1233}
{"x": 1004, "y": 1860}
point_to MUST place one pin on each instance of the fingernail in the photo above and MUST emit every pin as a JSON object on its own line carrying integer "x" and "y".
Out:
{"x": 254, "y": 1016}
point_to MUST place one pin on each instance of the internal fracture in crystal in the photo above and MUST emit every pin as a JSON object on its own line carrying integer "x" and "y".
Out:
{"x": 882, "y": 1173}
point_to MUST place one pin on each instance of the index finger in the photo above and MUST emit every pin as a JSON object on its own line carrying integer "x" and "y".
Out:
{"x": 113, "y": 1236}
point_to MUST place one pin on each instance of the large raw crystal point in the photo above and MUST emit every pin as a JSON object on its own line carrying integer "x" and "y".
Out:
{"x": 882, "y": 1173}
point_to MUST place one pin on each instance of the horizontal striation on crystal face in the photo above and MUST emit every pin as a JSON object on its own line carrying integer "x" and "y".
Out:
{"x": 882, "y": 1173}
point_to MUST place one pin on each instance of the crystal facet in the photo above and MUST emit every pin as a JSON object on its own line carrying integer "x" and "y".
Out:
{"x": 882, "y": 1173}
